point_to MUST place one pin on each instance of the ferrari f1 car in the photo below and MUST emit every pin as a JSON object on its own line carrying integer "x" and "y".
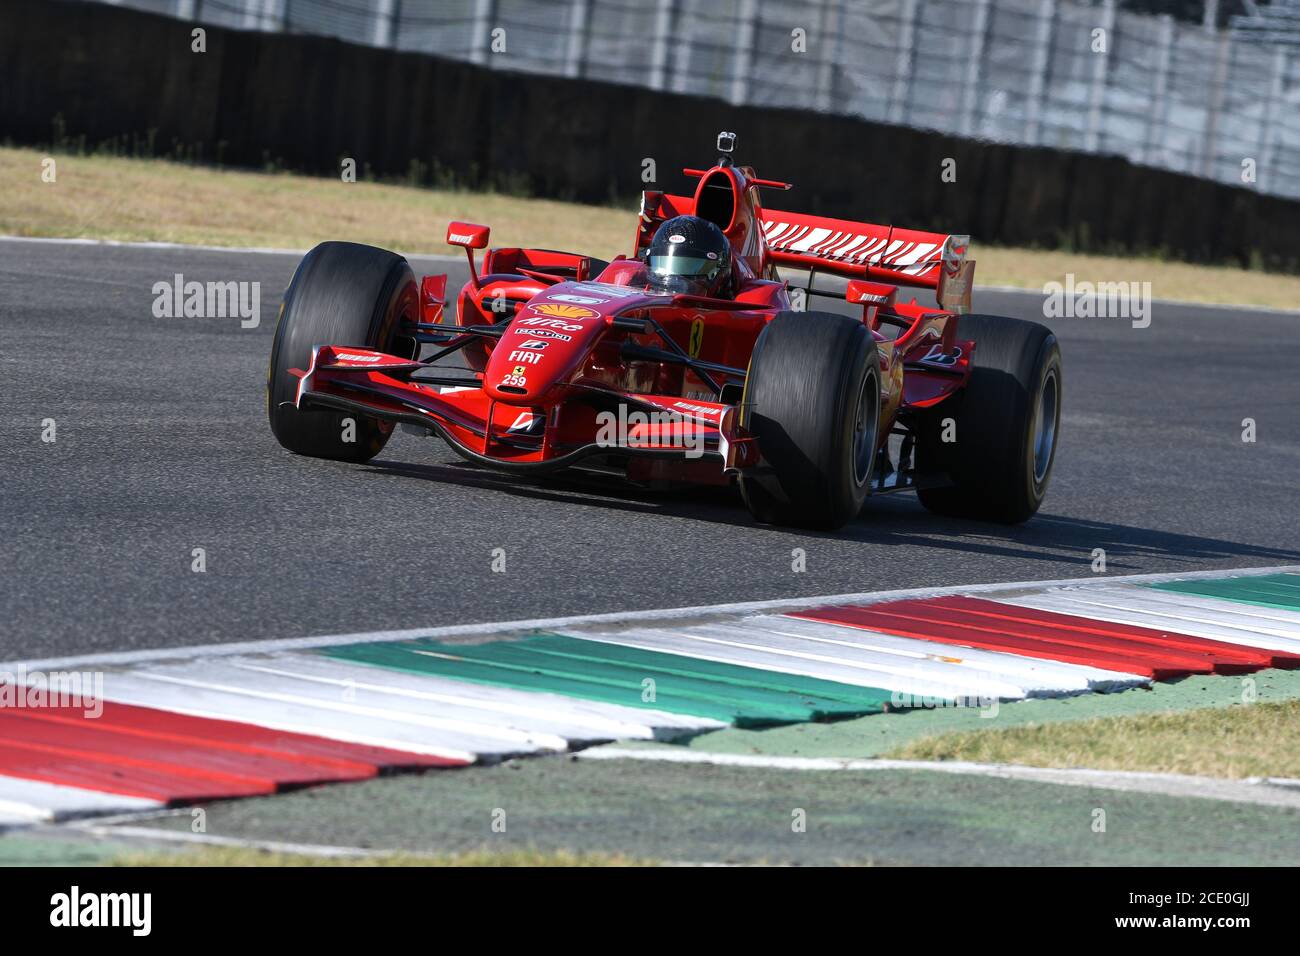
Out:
{"x": 688, "y": 361}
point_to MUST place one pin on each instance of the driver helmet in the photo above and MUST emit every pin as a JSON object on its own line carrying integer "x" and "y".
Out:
{"x": 691, "y": 255}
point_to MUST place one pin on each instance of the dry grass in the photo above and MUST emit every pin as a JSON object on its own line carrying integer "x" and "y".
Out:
{"x": 1214, "y": 285}
{"x": 106, "y": 197}
{"x": 1256, "y": 740}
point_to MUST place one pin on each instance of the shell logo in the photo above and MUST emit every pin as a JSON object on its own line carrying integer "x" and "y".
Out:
{"x": 563, "y": 311}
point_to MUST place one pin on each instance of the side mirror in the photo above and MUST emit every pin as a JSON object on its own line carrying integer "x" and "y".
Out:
{"x": 862, "y": 292}
{"x": 467, "y": 235}
{"x": 872, "y": 296}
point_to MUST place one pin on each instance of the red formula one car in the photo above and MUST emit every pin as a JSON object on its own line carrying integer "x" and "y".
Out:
{"x": 690, "y": 360}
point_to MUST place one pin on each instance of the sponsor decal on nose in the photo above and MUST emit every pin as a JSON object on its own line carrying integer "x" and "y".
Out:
{"x": 563, "y": 311}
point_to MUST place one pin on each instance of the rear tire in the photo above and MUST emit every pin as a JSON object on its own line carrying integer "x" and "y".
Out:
{"x": 1007, "y": 421}
{"x": 812, "y": 399}
{"x": 341, "y": 294}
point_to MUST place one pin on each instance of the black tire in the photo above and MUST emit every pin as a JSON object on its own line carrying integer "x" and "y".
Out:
{"x": 1001, "y": 461}
{"x": 341, "y": 294}
{"x": 812, "y": 399}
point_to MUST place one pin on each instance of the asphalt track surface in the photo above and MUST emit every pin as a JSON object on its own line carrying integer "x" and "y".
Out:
{"x": 163, "y": 447}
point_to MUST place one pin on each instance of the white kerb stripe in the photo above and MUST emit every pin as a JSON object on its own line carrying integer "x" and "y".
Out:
{"x": 942, "y": 667}
{"x": 897, "y": 678}
{"x": 1195, "y": 607}
{"x": 201, "y": 701}
{"x": 439, "y": 723}
{"x": 1126, "y": 610}
{"x": 1060, "y": 674}
{"x": 36, "y": 801}
{"x": 575, "y": 719}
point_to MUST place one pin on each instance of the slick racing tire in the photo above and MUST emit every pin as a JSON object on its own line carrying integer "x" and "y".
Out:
{"x": 1005, "y": 424}
{"x": 341, "y": 294}
{"x": 812, "y": 399}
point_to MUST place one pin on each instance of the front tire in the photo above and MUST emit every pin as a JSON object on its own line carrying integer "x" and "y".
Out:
{"x": 341, "y": 294}
{"x": 1005, "y": 424}
{"x": 812, "y": 399}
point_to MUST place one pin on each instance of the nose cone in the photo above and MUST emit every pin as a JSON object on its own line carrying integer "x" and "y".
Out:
{"x": 544, "y": 344}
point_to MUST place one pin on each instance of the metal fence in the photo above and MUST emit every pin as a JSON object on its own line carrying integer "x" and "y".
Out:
{"x": 1074, "y": 75}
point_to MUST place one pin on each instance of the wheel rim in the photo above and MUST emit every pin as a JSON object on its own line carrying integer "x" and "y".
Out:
{"x": 864, "y": 428}
{"x": 1045, "y": 421}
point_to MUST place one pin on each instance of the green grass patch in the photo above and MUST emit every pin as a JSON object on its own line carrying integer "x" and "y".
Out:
{"x": 1249, "y": 740}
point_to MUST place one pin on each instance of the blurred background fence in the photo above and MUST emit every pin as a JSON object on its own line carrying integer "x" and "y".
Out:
{"x": 94, "y": 77}
{"x": 1163, "y": 90}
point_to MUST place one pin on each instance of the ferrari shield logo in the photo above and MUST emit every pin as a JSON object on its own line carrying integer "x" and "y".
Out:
{"x": 697, "y": 337}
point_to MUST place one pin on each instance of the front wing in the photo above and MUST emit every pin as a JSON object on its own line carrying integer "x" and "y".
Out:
{"x": 589, "y": 421}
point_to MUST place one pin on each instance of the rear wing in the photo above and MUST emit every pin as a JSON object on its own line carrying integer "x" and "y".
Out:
{"x": 862, "y": 250}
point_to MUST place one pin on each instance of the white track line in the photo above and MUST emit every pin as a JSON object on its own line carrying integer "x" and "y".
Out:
{"x": 209, "y": 839}
{"x": 119, "y": 243}
{"x": 271, "y": 251}
{"x": 1039, "y": 293}
{"x": 198, "y": 247}
{"x": 316, "y": 849}
{"x": 324, "y": 851}
{"x": 1263, "y": 791}
{"x": 113, "y": 658}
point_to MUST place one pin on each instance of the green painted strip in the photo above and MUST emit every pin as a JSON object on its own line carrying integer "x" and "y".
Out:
{"x": 613, "y": 674}
{"x": 775, "y": 703}
{"x": 515, "y": 657}
{"x": 1267, "y": 590}
{"x": 404, "y": 657}
{"x": 827, "y": 697}
{"x": 730, "y": 673}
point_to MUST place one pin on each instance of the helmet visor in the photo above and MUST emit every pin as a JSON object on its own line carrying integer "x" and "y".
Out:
{"x": 674, "y": 285}
{"x": 671, "y": 265}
